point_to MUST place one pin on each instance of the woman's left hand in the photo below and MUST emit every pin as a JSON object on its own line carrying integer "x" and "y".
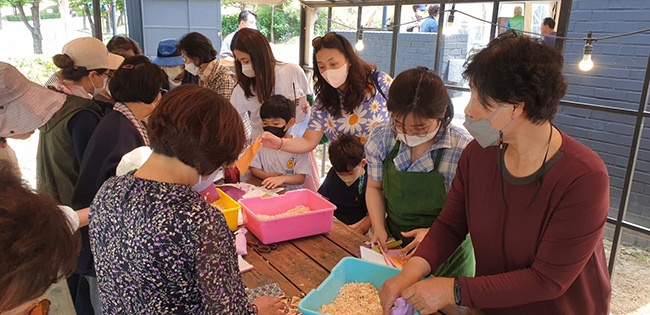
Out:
{"x": 430, "y": 295}
{"x": 418, "y": 235}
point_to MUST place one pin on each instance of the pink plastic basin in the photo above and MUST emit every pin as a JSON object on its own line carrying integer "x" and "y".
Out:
{"x": 273, "y": 230}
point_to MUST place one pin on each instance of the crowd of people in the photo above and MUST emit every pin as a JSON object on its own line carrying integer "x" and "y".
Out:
{"x": 505, "y": 215}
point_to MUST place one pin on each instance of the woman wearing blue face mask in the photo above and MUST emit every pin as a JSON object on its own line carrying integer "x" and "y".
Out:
{"x": 412, "y": 160}
{"x": 159, "y": 248}
{"x": 534, "y": 199}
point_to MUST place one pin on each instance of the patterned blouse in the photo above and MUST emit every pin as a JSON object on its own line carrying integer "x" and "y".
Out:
{"x": 219, "y": 78}
{"x": 159, "y": 249}
{"x": 362, "y": 119}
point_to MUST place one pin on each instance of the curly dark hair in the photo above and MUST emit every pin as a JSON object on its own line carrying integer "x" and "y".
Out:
{"x": 346, "y": 152}
{"x": 359, "y": 81}
{"x": 137, "y": 80}
{"x": 513, "y": 69}
{"x": 196, "y": 46}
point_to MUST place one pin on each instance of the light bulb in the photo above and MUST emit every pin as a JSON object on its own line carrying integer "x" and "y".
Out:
{"x": 586, "y": 64}
{"x": 359, "y": 45}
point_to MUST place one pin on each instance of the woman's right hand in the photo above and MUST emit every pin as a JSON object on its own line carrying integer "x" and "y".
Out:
{"x": 379, "y": 235}
{"x": 267, "y": 305}
{"x": 391, "y": 290}
{"x": 270, "y": 141}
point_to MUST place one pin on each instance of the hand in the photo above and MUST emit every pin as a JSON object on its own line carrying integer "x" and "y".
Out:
{"x": 392, "y": 289}
{"x": 270, "y": 141}
{"x": 379, "y": 235}
{"x": 418, "y": 235}
{"x": 272, "y": 182}
{"x": 362, "y": 226}
{"x": 267, "y": 305}
{"x": 430, "y": 295}
{"x": 305, "y": 107}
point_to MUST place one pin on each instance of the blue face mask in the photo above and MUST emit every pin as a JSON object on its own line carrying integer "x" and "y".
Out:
{"x": 482, "y": 130}
{"x": 203, "y": 184}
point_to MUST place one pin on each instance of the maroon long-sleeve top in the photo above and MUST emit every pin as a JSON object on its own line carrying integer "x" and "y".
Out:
{"x": 542, "y": 253}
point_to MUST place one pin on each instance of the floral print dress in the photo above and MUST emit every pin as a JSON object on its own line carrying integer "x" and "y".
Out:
{"x": 362, "y": 119}
{"x": 159, "y": 249}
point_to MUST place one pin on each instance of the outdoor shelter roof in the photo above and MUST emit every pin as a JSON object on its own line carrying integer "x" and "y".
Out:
{"x": 356, "y": 3}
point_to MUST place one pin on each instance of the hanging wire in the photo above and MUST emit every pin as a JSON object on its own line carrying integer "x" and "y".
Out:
{"x": 452, "y": 11}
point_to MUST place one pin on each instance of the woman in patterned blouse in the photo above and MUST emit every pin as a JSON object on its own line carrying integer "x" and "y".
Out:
{"x": 159, "y": 249}
{"x": 351, "y": 96}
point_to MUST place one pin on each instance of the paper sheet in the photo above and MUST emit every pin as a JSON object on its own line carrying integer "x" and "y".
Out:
{"x": 243, "y": 265}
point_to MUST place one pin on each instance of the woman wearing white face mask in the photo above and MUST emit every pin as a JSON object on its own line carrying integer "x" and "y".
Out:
{"x": 152, "y": 232}
{"x": 201, "y": 60}
{"x": 412, "y": 160}
{"x": 351, "y": 96}
{"x": 259, "y": 76}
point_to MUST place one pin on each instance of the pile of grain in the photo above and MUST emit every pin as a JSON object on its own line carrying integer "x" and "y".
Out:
{"x": 294, "y": 211}
{"x": 355, "y": 298}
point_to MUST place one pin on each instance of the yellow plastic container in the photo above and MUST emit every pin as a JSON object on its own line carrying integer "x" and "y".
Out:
{"x": 229, "y": 207}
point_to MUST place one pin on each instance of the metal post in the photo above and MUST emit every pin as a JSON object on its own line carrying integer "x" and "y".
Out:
{"x": 359, "y": 16}
{"x": 563, "y": 24}
{"x": 384, "y": 17}
{"x": 631, "y": 166}
{"x": 495, "y": 19}
{"x": 97, "y": 17}
{"x": 329, "y": 19}
{"x": 397, "y": 20}
{"x": 114, "y": 17}
{"x": 439, "y": 36}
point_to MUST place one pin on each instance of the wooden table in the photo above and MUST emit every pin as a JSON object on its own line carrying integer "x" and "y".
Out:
{"x": 301, "y": 265}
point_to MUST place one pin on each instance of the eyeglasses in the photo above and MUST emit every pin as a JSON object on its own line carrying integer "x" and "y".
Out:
{"x": 318, "y": 41}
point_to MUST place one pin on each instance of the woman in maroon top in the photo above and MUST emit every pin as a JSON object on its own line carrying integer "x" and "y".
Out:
{"x": 534, "y": 199}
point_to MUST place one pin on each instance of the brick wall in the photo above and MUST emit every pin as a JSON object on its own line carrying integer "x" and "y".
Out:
{"x": 616, "y": 80}
{"x": 413, "y": 49}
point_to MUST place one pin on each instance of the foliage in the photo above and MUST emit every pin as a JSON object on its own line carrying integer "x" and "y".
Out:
{"x": 44, "y": 16}
{"x": 286, "y": 21}
{"x": 36, "y": 68}
{"x": 229, "y": 23}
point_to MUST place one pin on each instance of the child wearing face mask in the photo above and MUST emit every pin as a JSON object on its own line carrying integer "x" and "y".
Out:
{"x": 345, "y": 184}
{"x": 274, "y": 167}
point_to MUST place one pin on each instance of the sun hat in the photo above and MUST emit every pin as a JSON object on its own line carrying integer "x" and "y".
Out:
{"x": 90, "y": 52}
{"x": 168, "y": 55}
{"x": 24, "y": 105}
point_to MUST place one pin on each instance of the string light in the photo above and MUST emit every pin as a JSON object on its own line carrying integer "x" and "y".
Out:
{"x": 450, "y": 18}
{"x": 359, "y": 45}
{"x": 586, "y": 64}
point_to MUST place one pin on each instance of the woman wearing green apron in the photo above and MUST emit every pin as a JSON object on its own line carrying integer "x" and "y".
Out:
{"x": 412, "y": 160}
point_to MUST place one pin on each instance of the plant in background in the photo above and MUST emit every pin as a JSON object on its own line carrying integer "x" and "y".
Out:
{"x": 36, "y": 68}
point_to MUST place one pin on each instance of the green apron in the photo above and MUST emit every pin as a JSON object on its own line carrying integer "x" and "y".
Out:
{"x": 414, "y": 200}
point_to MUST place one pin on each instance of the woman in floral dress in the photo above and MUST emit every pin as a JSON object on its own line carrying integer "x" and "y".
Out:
{"x": 351, "y": 96}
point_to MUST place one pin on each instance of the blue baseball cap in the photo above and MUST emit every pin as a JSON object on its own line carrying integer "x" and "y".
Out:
{"x": 422, "y": 7}
{"x": 167, "y": 54}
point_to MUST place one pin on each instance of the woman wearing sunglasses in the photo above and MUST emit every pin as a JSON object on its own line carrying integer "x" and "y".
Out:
{"x": 351, "y": 96}
{"x": 412, "y": 160}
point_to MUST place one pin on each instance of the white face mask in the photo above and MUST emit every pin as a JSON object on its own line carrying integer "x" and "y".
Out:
{"x": 203, "y": 184}
{"x": 173, "y": 72}
{"x": 174, "y": 84}
{"x": 192, "y": 68}
{"x": 336, "y": 77}
{"x": 96, "y": 90}
{"x": 414, "y": 141}
{"x": 247, "y": 70}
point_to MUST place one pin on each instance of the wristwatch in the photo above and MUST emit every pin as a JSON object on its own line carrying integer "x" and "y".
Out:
{"x": 457, "y": 291}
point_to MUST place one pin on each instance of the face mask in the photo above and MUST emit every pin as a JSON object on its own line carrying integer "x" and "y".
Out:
{"x": 414, "y": 141}
{"x": 336, "y": 77}
{"x": 247, "y": 69}
{"x": 350, "y": 179}
{"x": 276, "y": 131}
{"x": 173, "y": 72}
{"x": 192, "y": 68}
{"x": 203, "y": 184}
{"x": 482, "y": 130}
{"x": 96, "y": 90}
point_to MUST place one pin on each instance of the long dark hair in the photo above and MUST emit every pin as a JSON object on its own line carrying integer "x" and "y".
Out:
{"x": 254, "y": 43}
{"x": 359, "y": 81}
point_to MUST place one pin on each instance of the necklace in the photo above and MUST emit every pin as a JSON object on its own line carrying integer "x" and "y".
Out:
{"x": 538, "y": 173}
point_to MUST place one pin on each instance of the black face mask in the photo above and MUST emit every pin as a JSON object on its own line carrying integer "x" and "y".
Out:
{"x": 276, "y": 131}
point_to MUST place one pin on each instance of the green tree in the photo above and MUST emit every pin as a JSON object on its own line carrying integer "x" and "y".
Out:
{"x": 35, "y": 27}
{"x": 81, "y": 5}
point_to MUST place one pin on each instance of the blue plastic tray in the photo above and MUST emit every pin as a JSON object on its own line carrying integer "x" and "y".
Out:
{"x": 349, "y": 269}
